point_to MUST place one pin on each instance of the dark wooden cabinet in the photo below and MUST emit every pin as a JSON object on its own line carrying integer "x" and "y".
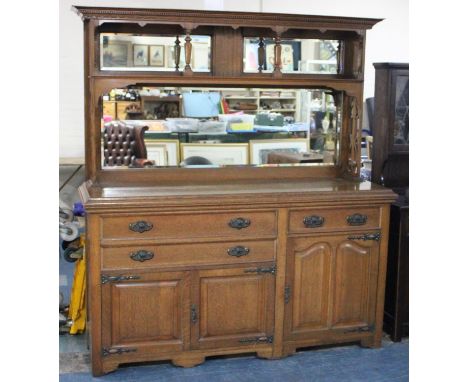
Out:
{"x": 396, "y": 313}
{"x": 390, "y": 167}
{"x": 390, "y": 163}
{"x": 185, "y": 263}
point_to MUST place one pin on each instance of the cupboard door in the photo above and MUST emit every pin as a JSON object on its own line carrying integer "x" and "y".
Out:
{"x": 331, "y": 286}
{"x": 355, "y": 283}
{"x": 145, "y": 312}
{"x": 232, "y": 307}
{"x": 307, "y": 294}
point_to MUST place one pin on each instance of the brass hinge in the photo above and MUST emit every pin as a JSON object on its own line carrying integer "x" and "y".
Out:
{"x": 362, "y": 329}
{"x": 271, "y": 270}
{"x": 256, "y": 340}
{"x": 107, "y": 279}
{"x": 287, "y": 294}
{"x": 112, "y": 351}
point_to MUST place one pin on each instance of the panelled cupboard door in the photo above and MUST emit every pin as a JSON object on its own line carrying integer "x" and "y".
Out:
{"x": 232, "y": 307}
{"x": 331, "y": 285}
{"x": 145, "y": 312}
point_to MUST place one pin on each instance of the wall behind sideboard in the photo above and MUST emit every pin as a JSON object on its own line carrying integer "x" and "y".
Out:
{"x": 386, "y": 42}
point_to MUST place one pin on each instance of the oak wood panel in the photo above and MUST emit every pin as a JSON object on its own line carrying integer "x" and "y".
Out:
{"x": 334, "y": 219}
{"x": 333, "y": 289}
{"x": 232, "y": 19}
{"x": 355, "y": 281}
{"x": 327, "y": 192}
{"x": 311, "y": 285}
{"x": 190, "y": 225}
{"x": 149, "y": 314}
{"x": 281, "y": 245}
{"x": 187, "y": 255}
{"x": 233, "y": 305}
{"x": 93, "y": 293}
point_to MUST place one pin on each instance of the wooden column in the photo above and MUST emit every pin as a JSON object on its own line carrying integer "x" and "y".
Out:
{"x": 277, "y": 50}
{"x": 339, "y": 57}
{"x": 177, "y": 53}
{"x": 188, "y": 52}
{"x": 261, "y": 55}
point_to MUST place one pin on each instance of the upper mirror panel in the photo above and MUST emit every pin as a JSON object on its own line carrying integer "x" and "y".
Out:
{"x": 309, "y": 56}
{"x": 131, "y": 52}
{"x": 216, "y": 127}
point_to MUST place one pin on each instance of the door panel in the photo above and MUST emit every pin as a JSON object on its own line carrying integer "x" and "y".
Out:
{"x": 232, "y": 305}
{"x": 149, "y": 312}
{"x": 332, "y": 284}
{"x": 309, "y": 280}
{"x": 351, "y": 285}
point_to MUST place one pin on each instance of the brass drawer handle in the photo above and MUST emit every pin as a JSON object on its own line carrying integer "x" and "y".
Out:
{"x": 314, "y": 221}
{"x": 141, "y": 255}
{"x": 140, "y": 226}
{"x": 239, "y": 223}
{"x": 238, "y": 251}
{"x": 366, "y": 236}
{"x": 356, "y": 219}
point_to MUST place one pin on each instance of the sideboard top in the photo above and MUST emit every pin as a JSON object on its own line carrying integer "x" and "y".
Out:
{"x": 256, "y": 193}
{"x": 223, "y": 18}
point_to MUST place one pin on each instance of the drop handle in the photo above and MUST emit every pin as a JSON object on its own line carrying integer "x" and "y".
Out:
{"x": 141, "y": 255}
{"x": 239, "y": 223}
{"x": 238, "y": 251}
{"x": 356, "y": 219}
{"x": 313, "y": 221}
{"x": 140, "y": 226}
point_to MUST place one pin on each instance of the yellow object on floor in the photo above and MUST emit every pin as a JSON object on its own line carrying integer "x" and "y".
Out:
{"x": 77, "y": 310}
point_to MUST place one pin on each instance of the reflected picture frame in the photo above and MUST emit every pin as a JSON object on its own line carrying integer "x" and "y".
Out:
{"x": 172, "y": 147}
{"x": 157, "y": 56}
{"x": 260, "y": 148}
{"x": 219, "y": 154}
{"x": 156, "y": 152}
{"x": 116, "y": 54}
{"x": 140, "y": 55}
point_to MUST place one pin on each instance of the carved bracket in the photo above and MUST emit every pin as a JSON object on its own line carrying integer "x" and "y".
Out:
{"x": 354, "y": 159}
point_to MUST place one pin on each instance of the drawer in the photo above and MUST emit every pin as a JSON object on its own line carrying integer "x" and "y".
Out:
{"x": 168, "y": 255}
{"x": 233, "y": 224}
{"x": 324, "y": 219}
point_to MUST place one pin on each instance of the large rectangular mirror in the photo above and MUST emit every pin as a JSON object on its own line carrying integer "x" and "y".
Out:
{"x": 310, "y": 56}
{"x": 132, "y": 52}
{"x": 193, "y": 127}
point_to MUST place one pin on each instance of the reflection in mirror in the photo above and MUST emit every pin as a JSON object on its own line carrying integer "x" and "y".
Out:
{"x": 203, "y": 127}
{"x": 121, "y": 51}
{"x": 297, "y": 55}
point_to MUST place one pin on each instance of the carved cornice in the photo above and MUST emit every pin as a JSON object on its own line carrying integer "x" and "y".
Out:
{"x": 234, "y": 19}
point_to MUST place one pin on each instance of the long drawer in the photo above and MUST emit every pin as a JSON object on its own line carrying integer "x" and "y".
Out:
{"x": 325, "y": 219}
{"x": 224, "y": 253}
{"x": 229, "y": 224}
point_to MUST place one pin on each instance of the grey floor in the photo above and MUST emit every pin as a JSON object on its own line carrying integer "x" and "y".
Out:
{"x": 331, "y": 364}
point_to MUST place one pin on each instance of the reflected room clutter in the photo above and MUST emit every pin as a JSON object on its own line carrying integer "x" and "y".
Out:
{"x": 222, "y": 126}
